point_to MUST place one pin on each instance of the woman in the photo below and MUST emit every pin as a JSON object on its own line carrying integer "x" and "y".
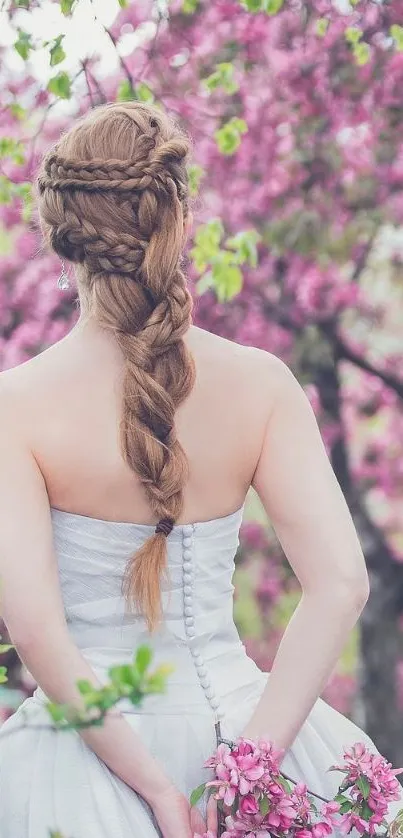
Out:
{"x": 113, "y": 443}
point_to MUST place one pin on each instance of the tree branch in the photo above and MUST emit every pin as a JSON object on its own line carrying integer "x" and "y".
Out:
{"x": 344, "y": 353}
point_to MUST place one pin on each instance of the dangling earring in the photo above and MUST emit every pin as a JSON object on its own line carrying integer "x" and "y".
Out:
{"x": 63, "y": 282}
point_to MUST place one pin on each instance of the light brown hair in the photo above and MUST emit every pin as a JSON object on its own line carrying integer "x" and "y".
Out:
{"x": 113, "y": 196}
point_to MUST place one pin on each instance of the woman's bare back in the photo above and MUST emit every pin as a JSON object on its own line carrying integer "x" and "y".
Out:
{"x": 67, "y": 401}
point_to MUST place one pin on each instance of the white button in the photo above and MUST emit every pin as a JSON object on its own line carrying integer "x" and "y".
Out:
{"x": 201, "y": 670}
{"x": 195, "y": 654}
{"x": 191, "y": 632}
{"x": 187, "y": 554}
{"x": 215, "y": 703}
{"x": 187, "y": 576}
{"x": 210, "y": 693}
{"x": 187, "y": 590}
{"x": 187, "y": 599}
{"x": 205, "y": 682}
{"x": 188, "y": 611}
{"x": 187, "y": 541}
{"x": 187, "y": 529}
{"x": 189, "y": 621}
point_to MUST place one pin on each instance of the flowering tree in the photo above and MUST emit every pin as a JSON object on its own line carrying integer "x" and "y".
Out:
{"x": 295, "y": 107}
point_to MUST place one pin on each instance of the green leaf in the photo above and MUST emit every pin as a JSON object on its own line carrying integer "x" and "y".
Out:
{"x": 57, "y": 53}
{"x": 197, "y": 794}
{"x": 17, "y": 110}
{"x": 223, "y": 76}
{"x": 56, "y": 711}
{"x": 365, "y": 811}
{"x": 272, "y": 7}
{"x": 264, "y": 806}
{"x": 143, "y": 92}
{"x": 245, "y": 244}
{"x": 23, "y": 44}
{"x": 228, "y": 137}
{"x": 353, "y": 34}
{"x": 322, "y": 25}
{"x": 22, "y": 4}
{"x": 5, "y": 190}
{"x": 364, "y": 787}
{"x": 9, "y": 147}
{"x": 143, "y": 658}
{"x": 3, "y": 674}
{"x": 253, "y": 6}
{"x": 396, "y": 33}
{"x": 362, "y": 53}
{"x": 66, "y": 6}
{"x": 5, "y": 647}
{"x": 123, "y": 4}
{"x": 125, "y": 91}
{"x": 228, "y": 281}
{"x": 204, "y": 283}
{"x": 60, "y": 85}
{"x": 195, "y": 174}
{"x": 190, "y": 6}
{"x": 284, "y": 783}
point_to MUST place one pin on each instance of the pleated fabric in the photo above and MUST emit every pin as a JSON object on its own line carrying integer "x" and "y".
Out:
{"x": 51, "y": 780}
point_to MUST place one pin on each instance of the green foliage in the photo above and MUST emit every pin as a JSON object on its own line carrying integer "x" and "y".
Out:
{"x": 228, "y": 137}
{"x": 66, "y": 6}
{"x": 125, "y": 91}
{"x": 17, "y": 110}
{"x": 123, "y": 3}
{"x": 223, "y": 76}
{"x": 264, "y": 806}
{"x": 195, "y": 174}
{"x": 144, "y": 92}
{"x": 131, "y": 681}
{"x": 57, "y": 53}
{"x": 362, "y": 53}
{"x": 22, "y": 4}
{"x": 23, "y": 44}
{"x": 364, "y": 786}
{"x": 141, "y": 92}
{"x": 220, "y": 266}
{"x": 353, "y": 34}
{"x": 271, "y": 7}
{"x": 190, "y": 6}
{"x": 143, "y": 658}
{"x": 396, "y": 32}
{"x": 12, "y": 148}
{"x": 197, "y": 794}
{"x": 322, "y": 25}
{"x": 3, "y": 674}
{"x": 60, "y": 85}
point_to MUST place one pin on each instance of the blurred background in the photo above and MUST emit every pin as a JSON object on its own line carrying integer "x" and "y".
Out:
{"x": 295, "y": 110}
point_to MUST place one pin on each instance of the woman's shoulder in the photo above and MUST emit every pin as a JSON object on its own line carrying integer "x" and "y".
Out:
{"x": 258, "y": 366}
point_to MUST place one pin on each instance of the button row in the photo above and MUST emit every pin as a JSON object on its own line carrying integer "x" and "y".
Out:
{"x": 190, "y": 621}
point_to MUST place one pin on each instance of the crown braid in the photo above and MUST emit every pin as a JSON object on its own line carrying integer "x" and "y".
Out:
{"x": 122, "y": 218}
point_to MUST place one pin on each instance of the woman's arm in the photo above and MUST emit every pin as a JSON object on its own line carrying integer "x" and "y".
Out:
{"x": 304, "y": 502}
{"x": 32, "y": 609}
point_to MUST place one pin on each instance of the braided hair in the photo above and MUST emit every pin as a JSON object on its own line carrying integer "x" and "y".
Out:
{"x": 113, "y": 197}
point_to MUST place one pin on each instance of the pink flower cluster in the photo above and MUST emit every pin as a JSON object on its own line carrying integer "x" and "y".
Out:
{"x": 259, "y": 802}
{"x": 371, "y": 784}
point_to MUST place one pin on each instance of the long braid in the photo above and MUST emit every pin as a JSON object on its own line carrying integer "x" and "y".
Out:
{"x": 122, "y": 219}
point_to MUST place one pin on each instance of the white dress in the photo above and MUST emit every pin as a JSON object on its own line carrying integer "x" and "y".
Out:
{"x": 51, "y": 780}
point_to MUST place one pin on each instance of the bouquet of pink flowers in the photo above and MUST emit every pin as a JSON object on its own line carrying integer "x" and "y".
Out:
{"x": 256, "y": 800}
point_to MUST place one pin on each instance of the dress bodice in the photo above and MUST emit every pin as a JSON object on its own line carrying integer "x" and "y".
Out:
{"x": 197, "y": 635}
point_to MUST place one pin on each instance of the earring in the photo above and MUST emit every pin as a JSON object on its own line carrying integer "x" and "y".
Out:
{"x": 63, "y": 282}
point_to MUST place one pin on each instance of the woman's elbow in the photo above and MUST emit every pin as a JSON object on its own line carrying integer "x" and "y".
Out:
{"x": 352, "y": 591}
